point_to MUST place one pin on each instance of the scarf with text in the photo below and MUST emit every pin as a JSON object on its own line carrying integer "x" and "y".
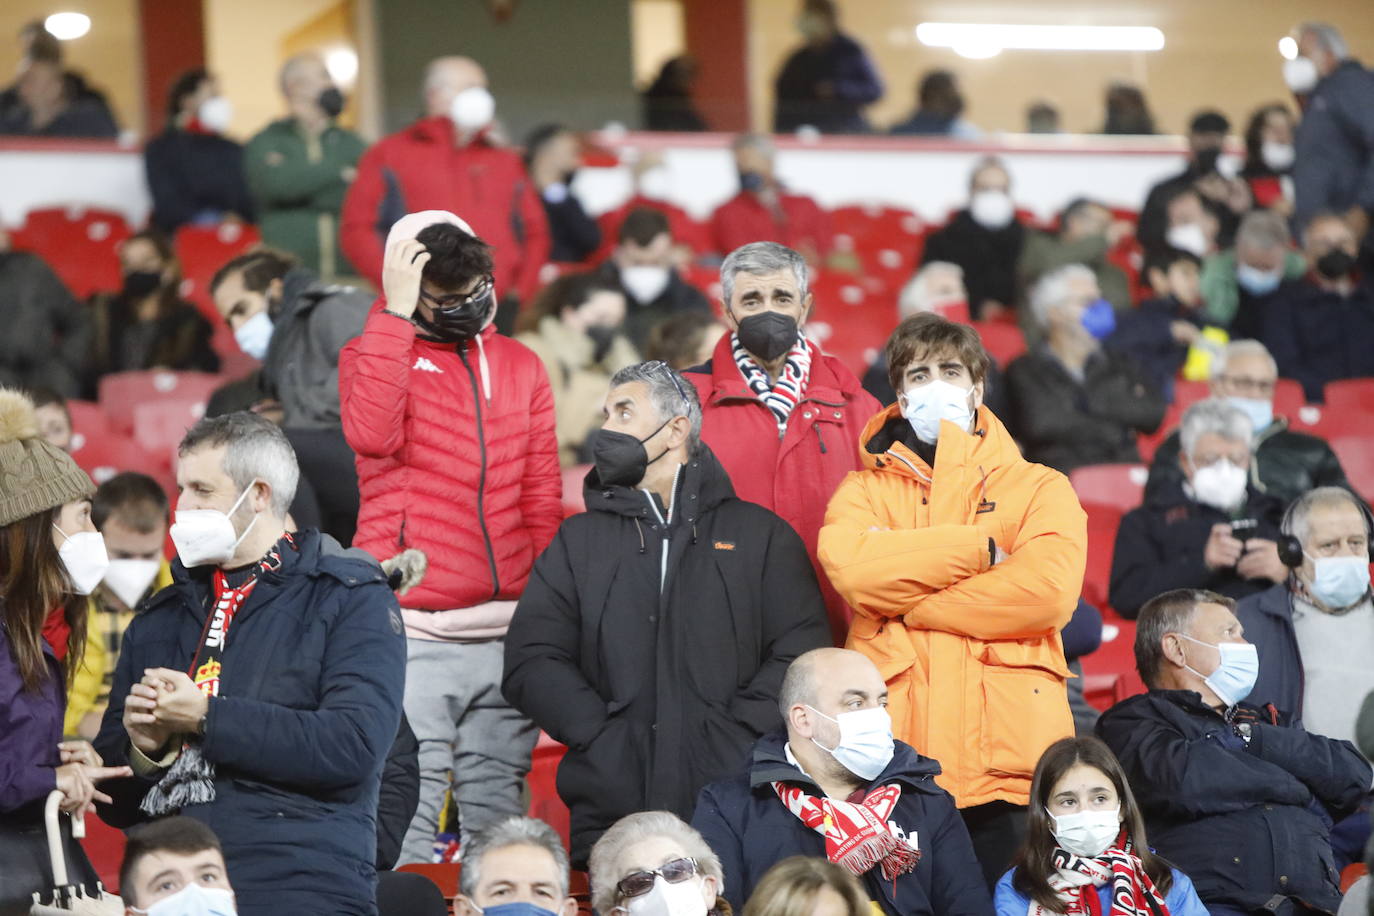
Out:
{"x": 857, "y": 836}
{"x": 781, "y": 396}
{"x": 1076, "y": 880}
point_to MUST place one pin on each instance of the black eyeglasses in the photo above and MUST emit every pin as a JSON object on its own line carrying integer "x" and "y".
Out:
{"x": 674, "y": 871}
{"x": 459, "y": 300}
{"x": 657, "y": 364}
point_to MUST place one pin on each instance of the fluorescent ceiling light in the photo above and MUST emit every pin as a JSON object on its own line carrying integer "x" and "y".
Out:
{"x": 986, "y": 40}
{"x": 1288, "y": 48}
{"x": 342, "y": 64}
{"x": 66, "y": 26}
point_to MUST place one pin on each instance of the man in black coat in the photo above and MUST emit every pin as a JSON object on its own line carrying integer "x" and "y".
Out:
{"x": 813, "y": 763}
{"x": 827, "y": 82}
{"x": 642, "y": 266}
{"x": 985, "y": 239}
{"x": 654, "y": 632}
{"x": 1233, "y": 794}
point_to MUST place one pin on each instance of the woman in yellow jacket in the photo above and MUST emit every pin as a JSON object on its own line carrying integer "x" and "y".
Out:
{"x": 961, "y": 562}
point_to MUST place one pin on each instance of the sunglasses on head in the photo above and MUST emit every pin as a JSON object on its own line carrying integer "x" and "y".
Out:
{"x": 674, "y": 871}
{"x": 658, "y": 364}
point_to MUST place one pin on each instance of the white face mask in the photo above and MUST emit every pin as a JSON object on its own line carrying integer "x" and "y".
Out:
{"x": 131, "y": 579}
{"x": 215, "y": 113}
{"x": 84, "y": 556}
{"x": 1300, "y": 74}
{"x": 1086, "y": 833}
{"x": 928, "y": 404}
{"x": 866, "y": 745}
{"x": 682, "y": 899}
{"x": 1220, "y": 485}
{"x": 472, "y": 109}
{"x": 644, "y": 282}
{"x": 206, "y": 536}
{"x": 1278, "y": 156}
{"x": 1338, "y": 582}
{"x": 194, "y": 900}
{"x": 254, "y": 335}
{"x": 991, "y": 209}
{"x": 656, "y": 183}
{"x": 1188, "y": 237}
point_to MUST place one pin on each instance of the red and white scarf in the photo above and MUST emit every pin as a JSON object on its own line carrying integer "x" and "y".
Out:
{"x": 857, "y": 837}
{"x": 1076, "y": 880}
{"x": 784, "y": 394}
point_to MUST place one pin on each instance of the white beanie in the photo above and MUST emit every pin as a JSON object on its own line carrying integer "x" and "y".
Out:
{"x": 410, "y": 225}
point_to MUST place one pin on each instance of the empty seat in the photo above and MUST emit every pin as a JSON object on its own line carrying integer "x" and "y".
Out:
{"x": 122, "y": 392}
{"x": 79, "y": 243}
{"x": 1003, "y": 341}
{"x": 203, "y": 250}
{"x": 1120, "y": 486}
{"x": 159, "y": 426}
{"x": 1357, "y": 459}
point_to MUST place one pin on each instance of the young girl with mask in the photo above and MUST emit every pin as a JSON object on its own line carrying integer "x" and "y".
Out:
{"x": 1085, "y": 850}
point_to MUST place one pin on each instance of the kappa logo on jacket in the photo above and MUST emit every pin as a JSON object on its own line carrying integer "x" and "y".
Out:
{"x": 425, "y": 365}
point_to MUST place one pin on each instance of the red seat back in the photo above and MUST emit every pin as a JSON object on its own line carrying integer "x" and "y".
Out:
{"x": 203, "y": 250}
{"x": 1120, "y": 486}
{"x": 80, "y": 244}
{"x": 159, "y": 426}
{"x": 1357, "y": 460}
{"x": 122, "y": 392}
{"x": 1003, "y": 341}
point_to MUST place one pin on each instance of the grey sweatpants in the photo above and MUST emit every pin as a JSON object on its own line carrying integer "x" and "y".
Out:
{"x": 454, "y": 704}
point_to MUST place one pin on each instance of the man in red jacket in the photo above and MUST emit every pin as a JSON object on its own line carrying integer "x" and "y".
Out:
{"x": 764, "y": 210}
{"x": 448, "y": 160}
{"x": 453, "y": 426}
{"x": 783, "y": 417}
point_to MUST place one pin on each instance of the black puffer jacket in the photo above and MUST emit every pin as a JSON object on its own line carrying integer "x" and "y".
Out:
{"x": 655, "y": 649}
{"x": 1334, "y": 166}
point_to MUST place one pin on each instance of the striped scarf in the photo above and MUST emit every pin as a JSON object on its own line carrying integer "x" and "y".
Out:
{"x": 857, "y": 837}
{"x": 1076, "y": 880}
{"x": 782, "y": 396}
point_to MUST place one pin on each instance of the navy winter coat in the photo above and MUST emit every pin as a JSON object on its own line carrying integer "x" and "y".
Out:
{"x": 1334, "y": 167}
{"x": 750, "y": 829}
{"x": 1268, "y": 621}
{"x": 309, "y": 705}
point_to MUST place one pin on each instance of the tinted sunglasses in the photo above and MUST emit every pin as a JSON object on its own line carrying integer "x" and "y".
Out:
{"x": 674, "y": 871}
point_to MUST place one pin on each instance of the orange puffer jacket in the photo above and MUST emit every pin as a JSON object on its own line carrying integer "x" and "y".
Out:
{"x": 970, "y": 650}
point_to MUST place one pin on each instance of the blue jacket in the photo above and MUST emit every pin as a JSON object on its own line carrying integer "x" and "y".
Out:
{"x": 1182, "y": 899}
{"x": 748, "y": 827}
{"x": 1268, "y": 621}
{"x": 1334, "y": 168}
{"x": 309, "y": 704}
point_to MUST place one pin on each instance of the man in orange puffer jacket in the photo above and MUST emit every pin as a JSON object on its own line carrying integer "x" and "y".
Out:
{"x": 961, "y": 562}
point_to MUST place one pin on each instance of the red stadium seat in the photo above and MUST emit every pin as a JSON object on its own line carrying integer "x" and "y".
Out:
{"x": 1350, "y": 398}
{"x": 1188, "y": 393}
{"x": 121, "y": 392}
{"x": 1004, "y": 342}
{"x": 80, "y": 244}
{"x": 872, "y": 228}
{"x": 1357, "y": 459}
{"x": 849, "y": 322}
{"x": 1288, "y": 397}
{"x": 544, "y": 801}
{"x": 104, "y": 846}
{"x": 1148, "y": 443}
{"x": 1120, "y": 486}
{"x": 159, "y": 426}
{"x": 1103, "y": 520}
{"x": 107, "y": 455}
{"x": 88, "y": 419}
{"x": 203, "y": 250}
{"x": 706, "y": 279}
{"x": 1352, "y": 873}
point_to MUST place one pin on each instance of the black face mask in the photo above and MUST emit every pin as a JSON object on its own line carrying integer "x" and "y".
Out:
{"x": 140, "y": 283}
{"x": 456, "y": 323}
{"x": 331, "y": 102}
{"x": 602, "y": 337}
{"x": 1205, "y": 161}
{"x": 620, "y": 458}
{"x": 751, "y": 181}
{"x": 1335, "y": 264}
{"x": 768, "y": 335}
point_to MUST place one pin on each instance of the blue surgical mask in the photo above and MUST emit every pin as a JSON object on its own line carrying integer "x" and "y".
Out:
{"x": 254, "y": 335}
{"x": 1259, "y": 410}
{"x": 519, "y": 908}
{"x": 1099, "y": 319}
{"x": 1257, "y": 282}
{"x": 193, "y": 900}
{"x": 1338, "y": 582}
{"x": 1235, "y": 675}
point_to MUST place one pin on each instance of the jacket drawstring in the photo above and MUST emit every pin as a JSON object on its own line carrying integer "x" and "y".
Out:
{"x": 640, "y": 529}
{"x": 485, "y": 371}
{"x": 694, "y": 531}
{"x": 819, "y": 438}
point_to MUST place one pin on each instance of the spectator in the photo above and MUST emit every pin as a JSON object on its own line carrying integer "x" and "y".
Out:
{"x": 985, "y": 239}
{"x": 1224, "y": 199}
{"x": 77, "y": 110}
{"x": 1334, "y": 159}
{"x": 575, "y": 328}
{"x": 552, "y": 158}
{"x": 652, "y": 707}
{"x": 1081, "y": 636}
{"x": 802, "y": 885}
{"x": 771, "y": 399}
{"x": 284, "y": 315}
{"x": 836, "y": 784}
{"x": 1085, "y": 849}
{"x": 194, "y": 172}
{"x": 317, "y": 676}
{"x": 1127, "y": 112}
{"x": 176, "y": 865}
{"x": 299, "y": 168}
{"x": 1157, "y": 334}
{"x": 907, "y": 545}
{"x": 147, "y": 325}
{"x": 937, "y": 287}
{"x": 1070, "y": 403}
{"x": 1319, "y": 327}
{"x": 764, "y": 211}
{"x": 1213, "y": 530}
{"x": 1286, "y": 463}
{"x": 1087, "y": 235}
{"x": 1269, "y": 158}
{"x": 684, "y": 340}
{"x": 642, "y": 267}
{"x": 1314, "y": 629}
{"x": 1191, "y": 223}
{"x": 651, "y": 862}
{"x": 654, "y": 188}
{"x": 56, "y": 558}
{"x": 1214, "y": 774}
{"x": 516, "y": 861}
{"x": 667, "y": 102}
{"x": 54, "y": 418}
{"x": 449, "y": 160}
{"x": 1042, "y": 118}
{"x": 1237, "y": 284}
{"x": 827, "y": 82}
{"x": 130, "y": 511}
{"x": 429, "y": 379}
{"x": 939, "y": 104}
{"x": 48, "y": 339}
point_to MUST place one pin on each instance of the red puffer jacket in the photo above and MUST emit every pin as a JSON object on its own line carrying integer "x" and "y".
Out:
{"x": 471, "y": 481}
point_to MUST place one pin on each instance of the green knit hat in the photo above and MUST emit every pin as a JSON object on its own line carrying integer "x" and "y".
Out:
{"x": 34, "y": 476}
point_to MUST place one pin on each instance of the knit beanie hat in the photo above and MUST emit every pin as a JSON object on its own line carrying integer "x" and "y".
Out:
{"x": 34, "y": 476}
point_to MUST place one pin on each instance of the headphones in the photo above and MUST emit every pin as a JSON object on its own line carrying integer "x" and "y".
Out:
{"x": 1290, "y": 548}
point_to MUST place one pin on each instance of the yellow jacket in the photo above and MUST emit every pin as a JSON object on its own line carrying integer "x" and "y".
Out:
{"x": 970, "y": 651}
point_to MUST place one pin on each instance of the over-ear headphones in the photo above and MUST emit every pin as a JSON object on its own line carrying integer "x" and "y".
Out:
{"x": 1290, "y": 548}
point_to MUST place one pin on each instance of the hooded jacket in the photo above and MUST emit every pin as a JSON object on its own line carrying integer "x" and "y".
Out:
{"x": 970, "y": 650}
{"x": 654, "y": 643}
{"x": 457, "y": 458}
{"x": 796, "y": 473}
{"x": 751, "y": 830}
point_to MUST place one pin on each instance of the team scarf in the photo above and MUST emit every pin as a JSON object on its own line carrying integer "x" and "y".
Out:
{"x": 784, "y": 394}
{"x": 1076, "y": 880}
{"x": 856, "y": 836}
{"x": 191, "y": 779}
